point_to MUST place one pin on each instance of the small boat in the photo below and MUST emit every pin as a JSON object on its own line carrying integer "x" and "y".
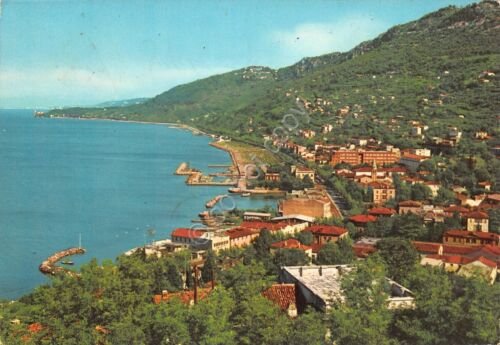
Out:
{"x": 234, "y": 190}
{"x": 245, "y": 194}
{"x": 67, "y": 262}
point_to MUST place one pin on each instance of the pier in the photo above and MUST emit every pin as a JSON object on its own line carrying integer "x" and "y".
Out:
{"x": 196, "y": 177}
{"x": 49, "y": 266}
{"x": 214, "y": 201}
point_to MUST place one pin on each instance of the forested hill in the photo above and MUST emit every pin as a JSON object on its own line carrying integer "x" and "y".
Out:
{"x": 441, "y": 70}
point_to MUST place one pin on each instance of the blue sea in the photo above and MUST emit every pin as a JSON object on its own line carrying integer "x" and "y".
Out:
{"x": 108, "y": 181}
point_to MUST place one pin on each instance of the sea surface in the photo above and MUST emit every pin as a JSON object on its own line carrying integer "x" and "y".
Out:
{"x": 108, "y": 181}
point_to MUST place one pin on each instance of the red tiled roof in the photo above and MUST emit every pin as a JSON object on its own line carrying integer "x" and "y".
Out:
{"x": 380, "y": 185}
{"x": 259, "y": 225}
{"x": 363, "y": 218}
{"x": 410, "y": 203}
{"x": 414, "y": 157}
{"x": 290, "y": 244}
{"x": 495, "y": 197}
{"x": 35, "y": 327}
{"x": 449, "y": 249}
{"x": 185, "y": 296}
{"x": 281, "y": 295}
{"x": 426, "y": 247}
{"x": 381, "y": 211}
{"x": 316, "y": 247}
{"x": 240, "y": 232}
{"x": 456, "y": 208}
{"x": 461, "y": 260}
{"x": 478, "y": 234}
{"x": 329, "y": 230}
{"x": 362, "y": 250}
{"x": 187, "y": 233}
{"x": 477, "y": 215}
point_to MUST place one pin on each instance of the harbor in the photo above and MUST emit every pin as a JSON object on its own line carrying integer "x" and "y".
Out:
{"x": 197, "y": 178}
{"x": 49, "y": 266}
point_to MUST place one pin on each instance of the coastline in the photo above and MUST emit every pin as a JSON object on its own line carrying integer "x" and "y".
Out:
{"x": 236, "y": 164}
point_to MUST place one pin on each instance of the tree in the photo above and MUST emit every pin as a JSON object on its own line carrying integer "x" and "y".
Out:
{"x": 336, "y": 253}
{"x": 209, "y": 269}
{"x": 444, "y": 196}
{"x": 305, "y": 237}
{"x": 309, "y": 328}
{"x": 494, "y": 220}
{"x": 408, "y": 226}
{"x": 399, "y": 256}
{"x": 290, "y": 257}
{"x": 420, "y": 191}
{"x": 363, "y": 318}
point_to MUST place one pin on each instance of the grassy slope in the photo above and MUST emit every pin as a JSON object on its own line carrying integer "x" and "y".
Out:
{"x": 438, "y": 58}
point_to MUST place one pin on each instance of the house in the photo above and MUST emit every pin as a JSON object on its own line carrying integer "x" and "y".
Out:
{"x": 382, "y": 192}
{"x": 461, "y": 259}
{"x": 361, "y": 220}
{"x": 326, "y": 233}
{"x": 316, "y": 208}
{"x": 301, "y": 172}
{"x": 381, "y": 212}
{"x": 410, "y": 206}
{"x": 365, "y": 246}
{"x": 477, "y": 221}
{"x": 326, "y": 128}
{"x": 241, "y": 237}
{"x": 161, "y": 248}
{"x": 292, "y": 243}
{"x": 247, "y": 215}
{"x": 486, "y": 185}
{"x": 421, "y": 152}
{"x": 187, "y": 297}
{"x": 320, "y": 287}
{"x": 188, "y": 236}
{"x": 463, "y": 266}
{"x": 289, "y": 227}
{"x": 284, "y": 297}
{"x": 433, "y": 186}
{"x": 470, "y": 238}
{"x": 411, "y": 161}
{"x": 272, "y": 177}
{"x": 454, "y": 209}
{"x": 201, "y": 239}
{"x": 490, "y": 201}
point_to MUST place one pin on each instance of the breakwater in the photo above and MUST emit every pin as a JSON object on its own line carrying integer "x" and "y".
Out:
{"x": 49, "y": 266}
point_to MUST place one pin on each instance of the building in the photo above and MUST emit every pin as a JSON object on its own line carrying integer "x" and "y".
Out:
{"x": 272, "y": 177}
{"x": 410, "y": 206}
{"x": 316, "y": 208}
{"x": 477, "y": 221}
{"x": 463, "y": 266}
{"x": 470, "y": 238}
{"x": 361, "y": 221}
{"x": 320, "y": 287}
{"x": 381, "y": 212}
{"x": 241, "y": 237}
{"x": 382, "y": 192}
{"x": 301, "y": 172}
{"x": 188, "y": 236}
{"x": 187, "y": 297}
{"x": 292, "y": 243}
{"x": 284, "y": 297}
{"x": 411, "y": 161}
{"x": 357, "y": 157}
{"x": 256, "y": 216}
{"x": 326, "y": 233}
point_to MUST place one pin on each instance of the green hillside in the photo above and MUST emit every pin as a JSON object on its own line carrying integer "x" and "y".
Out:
{"x": 427, "y": 70}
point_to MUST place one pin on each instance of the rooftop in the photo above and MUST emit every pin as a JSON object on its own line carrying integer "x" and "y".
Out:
{"x": 187, "y": 233}
{"x": 363, "y": 218}
{"x": 329, "y": 230}
{"x": 290, "y": 244}
{"x": 281, "y": 295}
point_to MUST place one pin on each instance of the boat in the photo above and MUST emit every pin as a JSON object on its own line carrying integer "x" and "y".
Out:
{"x": 246, "y": 194}
{"x": 67, "y": 262}
{"x": 234, "y": 190}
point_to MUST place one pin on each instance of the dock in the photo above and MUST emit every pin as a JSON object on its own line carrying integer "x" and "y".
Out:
{"x": 49, "y": 266}
{"x": 214, "y": 201}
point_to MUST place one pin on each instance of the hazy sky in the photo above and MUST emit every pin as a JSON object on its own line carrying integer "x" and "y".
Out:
{"x": 68, "y": 52}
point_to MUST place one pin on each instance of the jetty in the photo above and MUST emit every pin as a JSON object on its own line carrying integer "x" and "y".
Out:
{"x": 49, "y": 266}
{"x": 214, "y": 201}
{"x": 196, "y": 177}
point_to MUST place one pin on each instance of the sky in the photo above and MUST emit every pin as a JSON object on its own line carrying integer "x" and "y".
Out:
{"x": 79, "y": 52}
